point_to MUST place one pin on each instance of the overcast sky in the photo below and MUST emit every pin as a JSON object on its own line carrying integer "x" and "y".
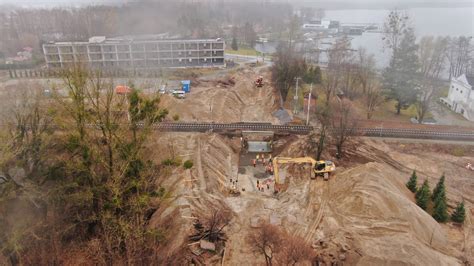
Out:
{"x": 50, "y": 3}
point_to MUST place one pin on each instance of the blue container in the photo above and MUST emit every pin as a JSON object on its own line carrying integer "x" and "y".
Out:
{"x": 186, "y": 85}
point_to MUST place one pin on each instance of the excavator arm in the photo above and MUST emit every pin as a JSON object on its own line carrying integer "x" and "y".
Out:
{"x": 326, "y": 166}
{"x": 287, "y": 160}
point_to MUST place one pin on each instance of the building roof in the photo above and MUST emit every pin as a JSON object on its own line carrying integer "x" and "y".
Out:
{"x": 121, "y": 89}
{"x": 132, "y": 39}
{"x": 468, "y": 80}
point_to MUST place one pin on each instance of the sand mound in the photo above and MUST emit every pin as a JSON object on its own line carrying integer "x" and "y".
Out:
{"x": 210, "y": 102}
{"x": 372, "y": 204}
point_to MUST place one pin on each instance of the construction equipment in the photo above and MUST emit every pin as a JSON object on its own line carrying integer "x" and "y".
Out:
{"x": 234, "y": 191}
{"x": 259, "y": 82}
{"x": 320, "y": 168}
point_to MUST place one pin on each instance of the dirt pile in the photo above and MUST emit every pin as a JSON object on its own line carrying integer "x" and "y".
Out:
{"x": 193, "y": 192}
{"x": 231, "y": 99}
{"x": 372, "y": 205}
{"x": 225, "y": 82}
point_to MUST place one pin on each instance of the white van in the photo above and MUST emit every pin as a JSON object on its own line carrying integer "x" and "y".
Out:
{"x": 179, "y": 94}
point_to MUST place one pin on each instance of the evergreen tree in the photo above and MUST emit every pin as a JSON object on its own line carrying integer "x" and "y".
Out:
{"x": 411, "y": 184}
{"x": 423, "y": 195}
{"x": 234, "y": 45}
{"x": 400, "y": 77}
{"x": 318, "y": 77}
{"x": 313, "y": 75}
{"x": 459, "y": 213}
{"x": 440, "y": 211}
{"x": 440, "y": 188}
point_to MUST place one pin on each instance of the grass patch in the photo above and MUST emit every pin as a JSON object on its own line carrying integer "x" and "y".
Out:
{"x": 387, "y": 111}
{"x": 243, "y": 51}
{"x": 188, "y": 164}
{"x": 458, "y": 151}
{"x": 249, "y": 51}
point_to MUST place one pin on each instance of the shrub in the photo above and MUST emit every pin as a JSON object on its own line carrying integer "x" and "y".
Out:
{"x": 188, "y": 164}
{"x": 172, "y": 161}
{"x": 176, "y": 117}
{"x": 458, "y": 151}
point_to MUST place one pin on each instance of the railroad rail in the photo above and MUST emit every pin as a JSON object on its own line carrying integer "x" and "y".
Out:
{"x": 467, "y": 135}
{"x": 414, "y": 133}
{"x": 219, "y": 128}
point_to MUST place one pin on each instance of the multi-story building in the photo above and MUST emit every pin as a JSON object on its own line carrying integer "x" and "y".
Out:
{"x": 136, "y": 52}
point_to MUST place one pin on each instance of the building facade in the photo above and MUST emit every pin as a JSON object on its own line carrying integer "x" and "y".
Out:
{"x": 136, "y": 52}
{"x": 461, "y": 96}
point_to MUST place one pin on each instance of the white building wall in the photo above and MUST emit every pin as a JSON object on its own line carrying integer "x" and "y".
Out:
{"x": 458, "y": 92}
{"x": 461, "y": 97}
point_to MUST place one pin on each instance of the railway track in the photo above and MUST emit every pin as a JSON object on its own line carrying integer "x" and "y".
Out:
{"x": 414, "y": 133}
{"x": 303, "y": 130}
{"x": 215, "y": 127}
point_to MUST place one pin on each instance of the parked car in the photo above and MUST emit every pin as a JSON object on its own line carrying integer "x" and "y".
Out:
{"x": 179, "y": 94}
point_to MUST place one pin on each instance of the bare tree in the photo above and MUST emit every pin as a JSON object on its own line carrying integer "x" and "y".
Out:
{"x": 266, "y": 240}
{"x": 373, "y": 98}
{"x": 293, "y": 31}
{"x": 422, "y": 105}
{"x": 459, "y": 55}
{"x": 367, "y": 79}
{"x": 295, "y": 251}
{"x": 286, "y": 67}
{"x": 28, "y": 122}
{"x": 431, "y": 52}
{"x": 210, "y": 227}
{"x": 339, "y": 56}
{"x": 323, "y": 115}
{"x": 394, "y": 28}
{"x": 343, "y": 124}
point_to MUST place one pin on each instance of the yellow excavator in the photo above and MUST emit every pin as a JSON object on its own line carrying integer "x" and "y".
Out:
{"x": 320, "y": 168}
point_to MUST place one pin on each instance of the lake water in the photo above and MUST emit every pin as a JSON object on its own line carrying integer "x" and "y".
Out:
{"x": 426, "y": 21}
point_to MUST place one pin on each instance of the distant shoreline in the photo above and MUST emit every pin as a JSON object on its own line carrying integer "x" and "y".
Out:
{"x": 382, "y": 6}
{"x": 327, "y": 5}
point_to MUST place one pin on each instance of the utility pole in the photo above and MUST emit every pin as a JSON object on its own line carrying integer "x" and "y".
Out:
{"x": 309, "y": 103}
{"x": 295, "y": 98}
